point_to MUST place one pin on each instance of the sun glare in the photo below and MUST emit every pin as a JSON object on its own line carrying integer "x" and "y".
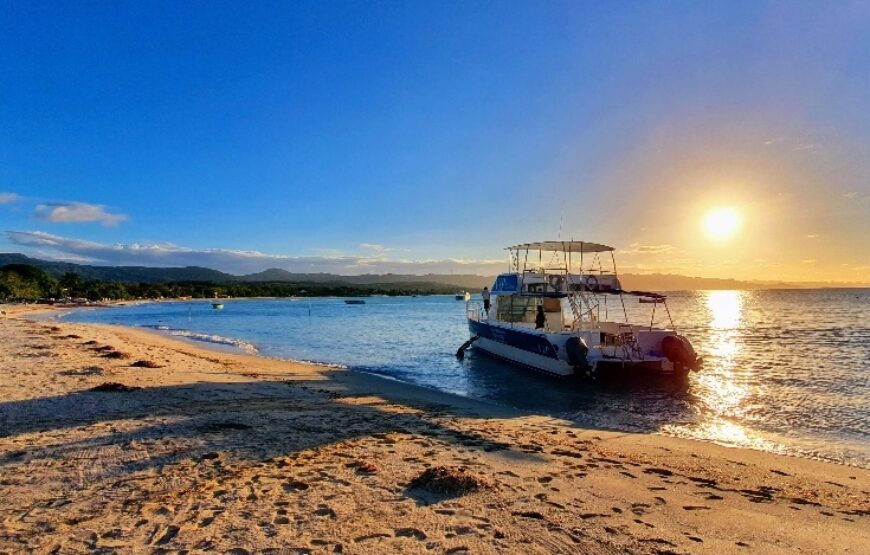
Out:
{"x": 722, "y": 223}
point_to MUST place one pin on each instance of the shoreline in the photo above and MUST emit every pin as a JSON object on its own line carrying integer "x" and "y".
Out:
{"x": 786, "y": 448}
{"x": 221, "y": 438}
{"x": 765, "y": 442}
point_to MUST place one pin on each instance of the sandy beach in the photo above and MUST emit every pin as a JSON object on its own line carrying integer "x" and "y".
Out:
{"x": 195, "y": 450}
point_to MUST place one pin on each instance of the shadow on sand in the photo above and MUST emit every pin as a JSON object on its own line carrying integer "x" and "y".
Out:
{"x": 254, "y": 421}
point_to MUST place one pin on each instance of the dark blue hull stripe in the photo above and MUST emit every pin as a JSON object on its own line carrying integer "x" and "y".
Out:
{"x": 527, "y": 342}
{"x": 524, "y": 366}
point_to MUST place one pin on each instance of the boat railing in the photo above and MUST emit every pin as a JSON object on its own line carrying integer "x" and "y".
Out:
{"x": 585, "y": 308}
{"x": 474, "y": 311}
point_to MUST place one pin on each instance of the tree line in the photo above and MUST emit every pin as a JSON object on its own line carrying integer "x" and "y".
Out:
{"x": 23, "y": 282}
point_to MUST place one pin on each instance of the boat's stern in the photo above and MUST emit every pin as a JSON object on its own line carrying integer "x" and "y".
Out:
{"x": 641, "y": 352}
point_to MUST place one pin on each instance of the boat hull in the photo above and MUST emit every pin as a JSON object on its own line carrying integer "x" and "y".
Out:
{"x": 536, "y": 351}
{"x": 522, "y": 348}
{"x": 526, "y": 359}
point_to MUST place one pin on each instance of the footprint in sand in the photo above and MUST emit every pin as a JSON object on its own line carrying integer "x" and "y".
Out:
{"x": 661, "y": 541}
{"x": 167, "y": 535}
{"x": 566, "y": 453}
{"x": 296, "y": 485}
{"x": 535, "y": 515}
{"x": 658, "y": 471}
{"x": 415, "y": 533}
{"x": 325, "y": 511}
{"x": 367, "y": 537}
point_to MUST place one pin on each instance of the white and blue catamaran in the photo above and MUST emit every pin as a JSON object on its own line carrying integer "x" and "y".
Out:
{"x": 550, "y": 313}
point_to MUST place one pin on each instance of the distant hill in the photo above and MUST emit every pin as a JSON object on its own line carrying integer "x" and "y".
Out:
{"x": 675, "y": 282}
{"x": 143, "y": 274}
{"x": 461, "y": 281}
{"x": 137, "y": 274}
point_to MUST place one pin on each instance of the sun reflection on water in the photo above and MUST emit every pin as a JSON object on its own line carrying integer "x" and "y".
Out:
{"x": 726, "y": 309}
{"x": 722, "y": 386}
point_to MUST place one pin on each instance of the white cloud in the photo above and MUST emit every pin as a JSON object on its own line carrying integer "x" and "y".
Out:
{"x": 77, "y": 212}
{"x": 378, "y": 248}
{"x": 805, "y": 146}
{"x": 235, "y": 261}
{"x": 637, "y": 248}
{"x": 7, "y": 198}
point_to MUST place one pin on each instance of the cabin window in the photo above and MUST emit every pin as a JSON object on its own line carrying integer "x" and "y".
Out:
{"x": 507, "y": 283}
{"x": 552, "y": 304}
{"x": 514, "y": 308}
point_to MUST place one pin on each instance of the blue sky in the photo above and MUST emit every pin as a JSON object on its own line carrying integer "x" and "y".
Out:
{"x": 400, "y": 136}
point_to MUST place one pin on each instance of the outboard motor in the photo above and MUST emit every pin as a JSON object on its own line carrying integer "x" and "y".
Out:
{"x": 577, "y": 351}
{"x": 678, "y": 349}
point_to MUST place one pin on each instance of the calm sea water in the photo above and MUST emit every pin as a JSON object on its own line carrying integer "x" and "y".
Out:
{"x": 785, "y": 371}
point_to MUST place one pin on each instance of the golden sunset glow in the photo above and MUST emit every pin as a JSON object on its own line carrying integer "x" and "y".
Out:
{"x": 722, "y": 223}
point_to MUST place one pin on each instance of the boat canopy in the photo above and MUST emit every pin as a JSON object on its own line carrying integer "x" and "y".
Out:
{"x": 562, "y": 246}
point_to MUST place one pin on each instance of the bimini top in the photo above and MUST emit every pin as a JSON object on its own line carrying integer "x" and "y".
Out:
{"x": 562, "y": 246}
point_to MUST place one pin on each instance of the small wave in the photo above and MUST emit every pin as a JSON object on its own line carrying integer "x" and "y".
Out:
{"x": 207, "y": 338}
{"x": 217, "y": 339}
{"x": 314, "y": 363}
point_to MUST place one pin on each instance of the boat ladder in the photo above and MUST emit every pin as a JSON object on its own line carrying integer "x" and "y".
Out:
{"x": 578, "y": 311}
{"x": 627, "y": 343}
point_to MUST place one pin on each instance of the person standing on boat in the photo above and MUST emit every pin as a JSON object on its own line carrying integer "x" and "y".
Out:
{"x": 485, "y": 295}
{"x": 540, "y": 319}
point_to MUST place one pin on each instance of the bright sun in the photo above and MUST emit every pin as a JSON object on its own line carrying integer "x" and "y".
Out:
{"x": 722, "y": 223}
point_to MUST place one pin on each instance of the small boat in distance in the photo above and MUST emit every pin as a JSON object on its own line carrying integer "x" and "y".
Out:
{"x": 551, "y": 314}
{"x": 463, "y": 296}
{"x": 354, "y": 301}
{"x": 217, "y": 306}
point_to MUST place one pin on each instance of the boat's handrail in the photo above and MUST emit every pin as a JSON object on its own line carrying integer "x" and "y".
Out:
{"x": 474, "y": 311}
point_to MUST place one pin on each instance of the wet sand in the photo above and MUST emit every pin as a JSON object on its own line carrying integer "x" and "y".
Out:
{"x": 209, "y": 451}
